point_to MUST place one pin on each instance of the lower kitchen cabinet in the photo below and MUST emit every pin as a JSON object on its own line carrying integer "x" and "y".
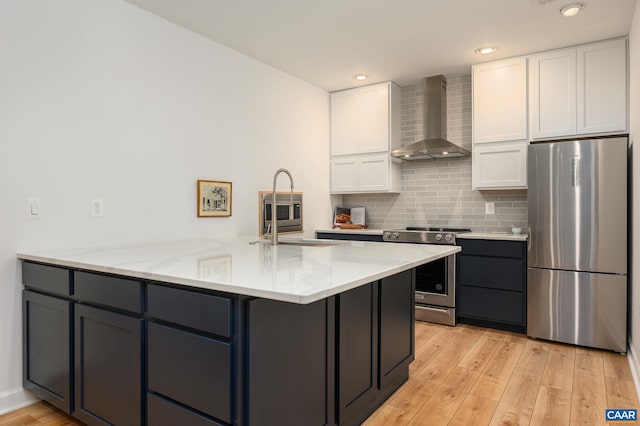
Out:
{"x": 288, "y": 368}
{"x": 46, "y": 348}
{"x": 108, "y": 379}
{"x": 357, "y": 365}
{"x": 189, "y": 356}
{"x": 351, "y": 236}
{"x": 491, "y": 284}
{"x": 113, "y": 350}
{"x": 375, "y": 344}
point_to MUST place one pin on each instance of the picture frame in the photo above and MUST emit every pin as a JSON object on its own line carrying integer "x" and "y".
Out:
{"x": 214, "y": 198}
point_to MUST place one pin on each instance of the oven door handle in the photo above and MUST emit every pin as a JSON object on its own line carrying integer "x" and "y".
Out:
{"x": 429, "y": 308}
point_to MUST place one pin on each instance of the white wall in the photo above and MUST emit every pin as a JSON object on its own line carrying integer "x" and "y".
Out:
{"x": 634, "y": 121}
{"x": 101, "y": 99}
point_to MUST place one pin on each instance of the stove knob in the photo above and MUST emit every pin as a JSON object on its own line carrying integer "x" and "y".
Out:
{"x": 395, "y": 235}
{"x": 448, "y": 238}
{"x": 386, "y": 235}
{"x": 438, "y": 237}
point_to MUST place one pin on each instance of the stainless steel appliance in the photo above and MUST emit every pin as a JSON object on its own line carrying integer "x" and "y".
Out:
{"x": 435, "y": 281}
{"x": 434, "y": 145}
{"x": 577, "y": 250}
{"x": 288, "y": 211}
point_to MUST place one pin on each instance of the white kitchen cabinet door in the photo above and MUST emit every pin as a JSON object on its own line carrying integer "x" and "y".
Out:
{"x": 552, "y": 93}
{"x": 344, "y": 122}
{"x": 602, "y": 87}
{"x": 500, "y": 101}
{"x": 365, "y": 173}
{"x": 373, "y": 173}
{"x": 500, "y": 166}
{"x": 344, "y": 175}
{"x": 373, "y": 118}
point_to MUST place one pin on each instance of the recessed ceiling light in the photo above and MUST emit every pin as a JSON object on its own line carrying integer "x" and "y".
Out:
{"x": 572, "y": 9}
{"x": 486, "y": 50}
{"x": 360, "y": 77}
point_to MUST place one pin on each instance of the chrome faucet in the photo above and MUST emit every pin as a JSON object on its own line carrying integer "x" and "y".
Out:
{"x": 274, "y": 205}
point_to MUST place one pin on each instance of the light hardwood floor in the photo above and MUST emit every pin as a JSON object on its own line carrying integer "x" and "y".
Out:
{"x": 474, "y": 376}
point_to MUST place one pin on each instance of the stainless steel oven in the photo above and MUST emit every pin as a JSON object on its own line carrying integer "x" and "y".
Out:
{"x": 435, "y": 281}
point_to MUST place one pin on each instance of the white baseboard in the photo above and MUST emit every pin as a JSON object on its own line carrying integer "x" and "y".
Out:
{"x": 634, "y": 364}
{"x": 16, "y": 398}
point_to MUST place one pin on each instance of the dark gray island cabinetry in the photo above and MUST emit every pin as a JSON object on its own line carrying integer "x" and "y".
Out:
{"x": 115, "y": 349}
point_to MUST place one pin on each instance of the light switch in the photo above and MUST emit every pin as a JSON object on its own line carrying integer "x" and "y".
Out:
{"x": 34, "y": 210}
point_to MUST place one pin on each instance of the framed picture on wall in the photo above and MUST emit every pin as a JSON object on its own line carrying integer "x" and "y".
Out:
{"x": 214, "y": 198}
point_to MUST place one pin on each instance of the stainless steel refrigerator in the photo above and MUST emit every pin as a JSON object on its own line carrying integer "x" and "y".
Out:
{"x": 577, "y": 247}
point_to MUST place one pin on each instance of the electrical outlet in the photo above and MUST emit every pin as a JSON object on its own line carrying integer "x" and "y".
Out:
{"x": 34, "y": 208}
{"x": 490, "y": 207}
{"x": 96, "y": 207}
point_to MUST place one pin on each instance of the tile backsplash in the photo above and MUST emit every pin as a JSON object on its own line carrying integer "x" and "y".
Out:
{"x": 438, "y": 192}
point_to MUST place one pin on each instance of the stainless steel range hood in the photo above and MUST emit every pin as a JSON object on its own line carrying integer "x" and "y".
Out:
{"x": 435, "y": 144}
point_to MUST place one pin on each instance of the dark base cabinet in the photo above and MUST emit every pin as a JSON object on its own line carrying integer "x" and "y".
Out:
{"x": 108, "y": 367}
{"x": 491, "y": 289}
{"x": 47, "y": 357}
{"x": 287, "y": 363}
{"x": 111, "y": 350}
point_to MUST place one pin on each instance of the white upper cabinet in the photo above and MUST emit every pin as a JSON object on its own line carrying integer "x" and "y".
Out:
{"x": 365, "y": 127}
{"x": 602, "y": 87}
{"x": 344, "y": 122}
{"x": 500, "y": 101}
{"x": 366, "y": 119}
{"x": 373, "y": 118}
{"x": 500, "y": 165}
{"x": 499, "y": 153}
{"x": 579, "y": 90}
{"x": 552, "y": 94}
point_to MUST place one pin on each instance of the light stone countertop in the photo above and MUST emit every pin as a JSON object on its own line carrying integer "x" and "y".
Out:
{"x": 290, "y": 273}
{"x": 352, "y": 231}
{"x": 505, "y": 236}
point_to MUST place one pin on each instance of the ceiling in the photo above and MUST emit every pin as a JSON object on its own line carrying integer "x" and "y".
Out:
{"x": 327, "y": 42}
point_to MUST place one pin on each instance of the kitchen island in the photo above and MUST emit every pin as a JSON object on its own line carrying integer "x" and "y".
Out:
{"x": 224, "y": 331}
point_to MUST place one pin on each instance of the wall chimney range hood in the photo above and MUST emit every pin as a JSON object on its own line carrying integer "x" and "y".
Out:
{"x": 435, "y": 144}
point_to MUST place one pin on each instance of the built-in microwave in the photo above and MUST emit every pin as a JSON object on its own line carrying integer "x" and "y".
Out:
{"x": 288, "y": 212}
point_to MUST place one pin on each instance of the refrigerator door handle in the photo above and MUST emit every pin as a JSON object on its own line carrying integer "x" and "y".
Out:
{"x": 575, "y": 172}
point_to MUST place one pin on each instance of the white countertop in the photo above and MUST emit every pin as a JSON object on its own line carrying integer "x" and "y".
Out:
{"x": 506, "y": 236}
{"x": 352, "y": 231}
{"x": 290, "y": 273}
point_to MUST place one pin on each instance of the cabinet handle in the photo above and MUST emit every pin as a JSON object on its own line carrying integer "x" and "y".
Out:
{"x": 429, "y": 308}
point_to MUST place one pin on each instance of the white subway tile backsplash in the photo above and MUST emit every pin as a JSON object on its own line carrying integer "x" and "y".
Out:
{"x": 438, "y": 192}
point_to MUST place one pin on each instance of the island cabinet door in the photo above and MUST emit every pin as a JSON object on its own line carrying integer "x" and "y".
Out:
{"x": 397, "y": 331}
{"x": 288, "y": 367}
{"x": 357, "y": 353}
{"x": 107, "y": 367}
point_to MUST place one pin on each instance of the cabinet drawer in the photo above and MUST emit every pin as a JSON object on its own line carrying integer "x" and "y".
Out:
{"x": 200, "y": 311}
{"x": 109, "y": 291}
{"x": 161, "y": 412}
{"x": 47, "y": 278}
{"x": 495, "y": 248}
{"x": 498, "y": 272}
{"x": 191, "y": 369}
{"x": 491, "y": 305}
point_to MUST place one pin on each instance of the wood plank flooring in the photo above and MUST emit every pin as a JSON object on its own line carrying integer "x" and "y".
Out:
{"x": 474, "y": 376}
